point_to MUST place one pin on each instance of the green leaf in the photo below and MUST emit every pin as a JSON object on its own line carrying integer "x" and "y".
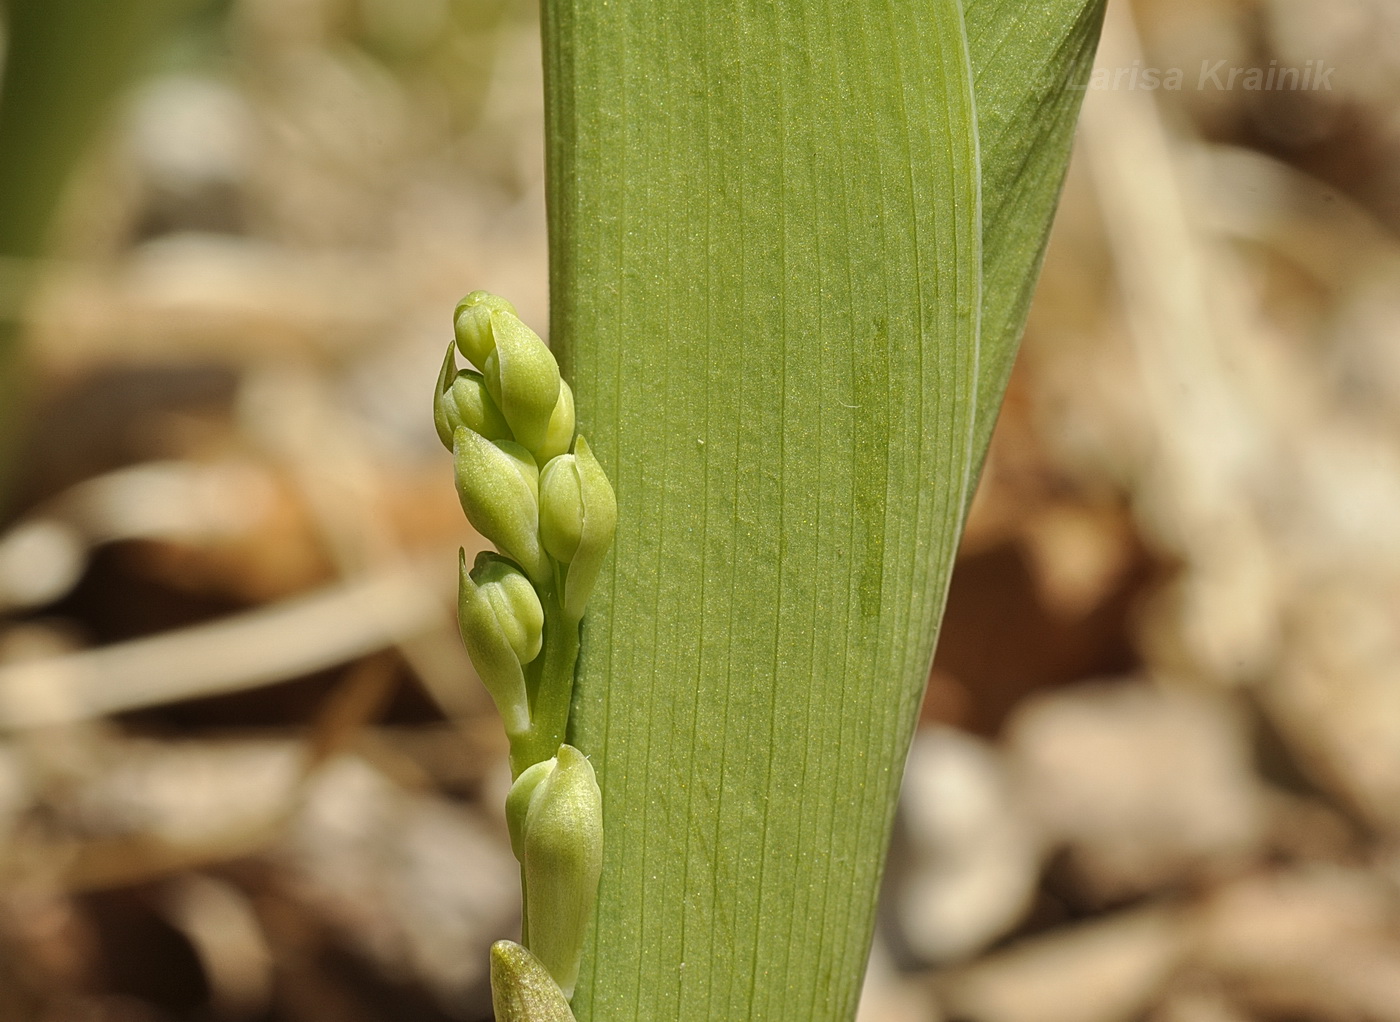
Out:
{"x": 766, "y": 261}
{"x": 63, "y": 65}
{"x": 66, "y": 63}
{"x": 1030, "y": 64}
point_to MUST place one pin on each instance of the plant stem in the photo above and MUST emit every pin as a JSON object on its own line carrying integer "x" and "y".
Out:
{"x": 552, "y": 686}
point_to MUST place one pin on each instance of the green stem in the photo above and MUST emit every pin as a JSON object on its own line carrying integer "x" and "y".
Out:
{"x": 553, "y": 686}
{"x": 551, "y": 691}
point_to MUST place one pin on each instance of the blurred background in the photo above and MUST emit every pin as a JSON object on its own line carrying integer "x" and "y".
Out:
{"x": 245, "y": 772}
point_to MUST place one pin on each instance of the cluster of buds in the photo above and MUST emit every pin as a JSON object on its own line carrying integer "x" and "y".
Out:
{"x": 536, "y": 491}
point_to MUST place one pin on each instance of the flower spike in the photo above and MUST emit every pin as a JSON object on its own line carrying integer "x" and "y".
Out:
{"x": 520, "y": 618}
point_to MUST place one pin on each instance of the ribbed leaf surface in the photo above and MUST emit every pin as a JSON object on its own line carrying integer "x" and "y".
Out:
{"x": 767, "y": 253}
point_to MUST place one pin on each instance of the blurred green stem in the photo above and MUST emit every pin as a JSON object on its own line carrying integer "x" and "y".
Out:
{"x": 65, "y": 62}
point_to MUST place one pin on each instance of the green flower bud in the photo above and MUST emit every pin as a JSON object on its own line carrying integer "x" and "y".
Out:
{"x": 518, "y": 802}
{"x": 494, "y": 626}
{"x": 461, "y": 399}
{"x": 471, "y": 322}
{"x": 525, "y": 464}
{"x": 560, "y": 435}
{"x": 498, "y": 487}
{"x": 562, "y": 842}
{"x": 514, "y": 601}
{"x": 561, "y": 508}
{"x": 578, "y": 516}
{"x": 523, "y": 377}
{"x": 522, "y": 989}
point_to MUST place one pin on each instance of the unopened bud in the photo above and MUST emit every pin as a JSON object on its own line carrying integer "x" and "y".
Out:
{"x": 514, "y": 601}
{"x": 525, "y": 464}
{"x": 471, "y": 324}
{"x": 561, "y": 508}
{"x": 578, "y": 516}
{"x": 461, "y": 399}
{"x": 497, "y": 484}
{"x": 498, "y": 620}
{"x": 560, "y": 435}
{"x": 518, "y": 802}
{"x": 522, "y": 989}
{"x": 561, "y": 841}
{"x": 523, "y": 377}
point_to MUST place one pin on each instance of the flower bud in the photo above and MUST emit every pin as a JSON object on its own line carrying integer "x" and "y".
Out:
{"x": 495, "y": 626}
{"x": 518, "y": 802}
{"x": 514, "y": 601}
{"x": 562, "y": 844}
{"x": 561, "y": 508}
{"x": 461, "y": 400}
{"x": 578, "y": 516}
{"x": 525, "y": 464}
{"x": 560, "y": 435}
{"x": 523, "y": 377}
{"x": 522, "y": 989}
{"x": 471, "y": 324}
{"x": 498, "y": 486}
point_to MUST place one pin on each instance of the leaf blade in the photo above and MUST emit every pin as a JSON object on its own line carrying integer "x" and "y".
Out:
{"x": 1030, "y": 64}
{"x": 765, "y": 259}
